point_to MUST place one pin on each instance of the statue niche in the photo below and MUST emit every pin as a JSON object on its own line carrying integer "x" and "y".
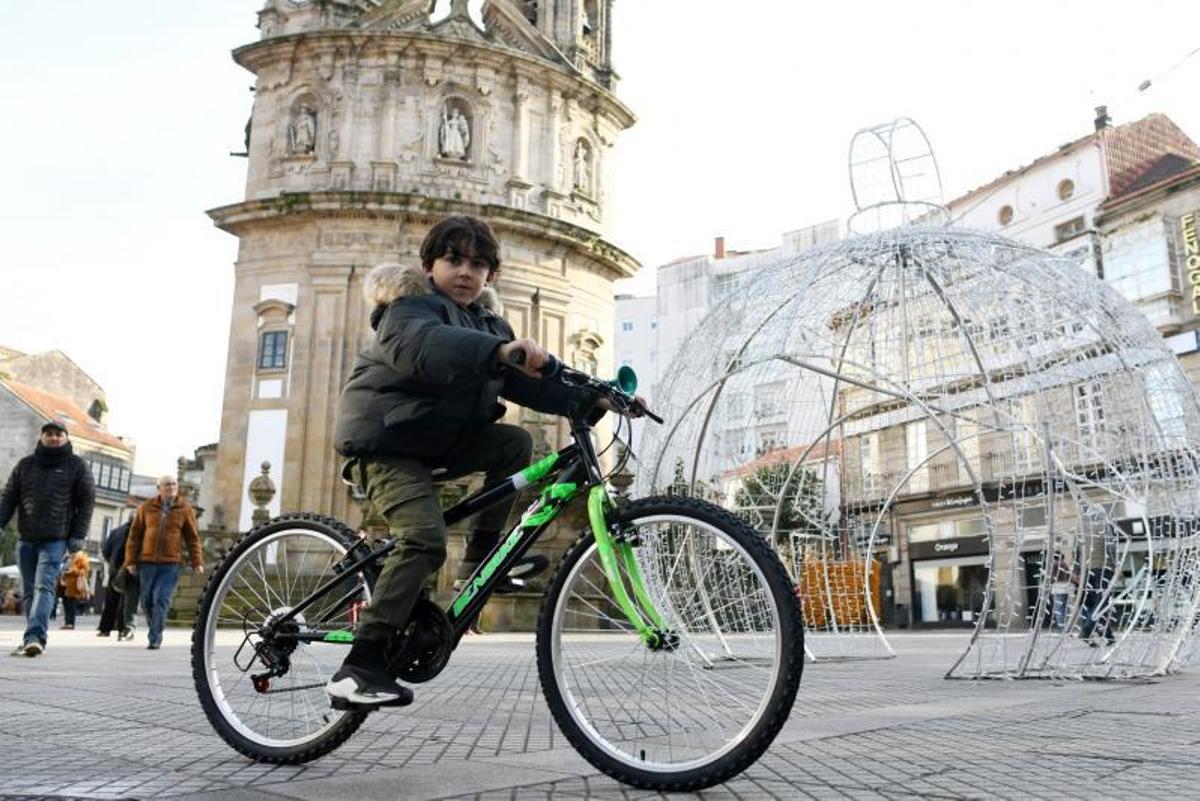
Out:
{"x": 302, "y": 130}
{"x": 583, "y": 167}
{"x": 454, "y": 132}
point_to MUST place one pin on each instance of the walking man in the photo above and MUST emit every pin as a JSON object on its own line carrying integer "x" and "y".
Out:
{"x": 162, "y": 527}
{"x": 52, "y": 493}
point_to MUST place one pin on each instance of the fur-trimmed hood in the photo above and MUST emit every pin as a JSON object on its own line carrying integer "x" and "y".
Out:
{"x": 389, "y": 281}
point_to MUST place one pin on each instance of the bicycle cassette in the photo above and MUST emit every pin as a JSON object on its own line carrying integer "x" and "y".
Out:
{"x": 424, "y": 648}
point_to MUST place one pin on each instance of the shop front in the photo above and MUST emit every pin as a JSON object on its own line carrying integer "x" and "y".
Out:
{"x": 949, "y": 578}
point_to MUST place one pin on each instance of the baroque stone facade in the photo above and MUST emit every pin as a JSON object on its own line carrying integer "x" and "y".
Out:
{"x": 370, "y": 123}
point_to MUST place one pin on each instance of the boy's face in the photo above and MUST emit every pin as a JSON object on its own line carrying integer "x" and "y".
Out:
{"x": 462, "y": 278}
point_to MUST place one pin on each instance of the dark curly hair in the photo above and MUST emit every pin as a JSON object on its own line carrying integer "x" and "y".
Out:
{"x": 462, "y": 236}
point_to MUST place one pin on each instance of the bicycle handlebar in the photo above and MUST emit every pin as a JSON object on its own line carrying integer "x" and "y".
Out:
{"x": 554, "y": 368}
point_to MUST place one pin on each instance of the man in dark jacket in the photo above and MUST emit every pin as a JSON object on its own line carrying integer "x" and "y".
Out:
{"x": 52, "y": 493}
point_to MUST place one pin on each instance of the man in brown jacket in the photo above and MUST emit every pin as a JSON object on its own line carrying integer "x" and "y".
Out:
{"x": 161, "y": 528}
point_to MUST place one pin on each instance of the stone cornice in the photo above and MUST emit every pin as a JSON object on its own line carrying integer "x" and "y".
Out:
{"x": 239, "y": 218}
{"x": 254, "y": 57}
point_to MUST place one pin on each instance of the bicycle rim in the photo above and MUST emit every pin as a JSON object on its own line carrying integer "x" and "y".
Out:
{"x": 671, "y": 711}
{"x": 271, "y": 577}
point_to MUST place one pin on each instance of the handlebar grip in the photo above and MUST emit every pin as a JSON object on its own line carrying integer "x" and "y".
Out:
{"x": 550, "y": 368}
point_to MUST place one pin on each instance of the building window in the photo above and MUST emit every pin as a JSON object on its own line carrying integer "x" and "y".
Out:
{"x": 626, "y": 326}
{"x": 1006, "y": 215}
{"x": 1089, "y": 412}
{"x": 272, "y": 352}
{"x": 771, "y": 438}
{"x": 916, "y": 452}
{"x": 1064, "y": 231}
{"x": 869, "y": 461}
{"x": 1066, "y": 188}
{"x": 654, "y": 325}
{"x": 770, "y": 400}
{"x": 1033, "y": 517}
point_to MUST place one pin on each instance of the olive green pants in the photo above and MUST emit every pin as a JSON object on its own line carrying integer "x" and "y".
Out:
{"x": 401, "y": 490}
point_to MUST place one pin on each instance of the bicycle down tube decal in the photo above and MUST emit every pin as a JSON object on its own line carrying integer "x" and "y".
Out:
{"x": 485, "y": 573}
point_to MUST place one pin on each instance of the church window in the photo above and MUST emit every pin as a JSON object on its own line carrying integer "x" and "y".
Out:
{"x": 272, "y": 351}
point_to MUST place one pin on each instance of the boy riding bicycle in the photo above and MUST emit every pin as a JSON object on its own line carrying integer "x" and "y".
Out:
{"x": 423, "y": 397}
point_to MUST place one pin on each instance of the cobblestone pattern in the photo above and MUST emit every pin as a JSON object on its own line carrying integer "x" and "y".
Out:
{"x": 94, "y": 718}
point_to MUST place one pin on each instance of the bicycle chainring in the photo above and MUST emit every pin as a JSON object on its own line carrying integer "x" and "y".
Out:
{"x": 423, "y": 650}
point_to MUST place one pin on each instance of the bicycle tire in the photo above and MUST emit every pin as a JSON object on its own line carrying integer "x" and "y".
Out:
{"x": 204, "y": 670}
{"x": 591, "y": 734}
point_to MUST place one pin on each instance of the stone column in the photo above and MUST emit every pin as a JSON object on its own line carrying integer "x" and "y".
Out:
{"x": 554, "y": 141}
{"x": 317, "y": 465}
{"x": 521, "y": 132}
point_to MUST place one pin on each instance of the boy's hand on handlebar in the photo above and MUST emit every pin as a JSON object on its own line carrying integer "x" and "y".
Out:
{"x": 525, "y": 355}
{"x": 635, "y": 408}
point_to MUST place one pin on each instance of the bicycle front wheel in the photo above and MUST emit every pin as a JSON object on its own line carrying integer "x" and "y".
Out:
{"x": 283, "y": 719}
{"x": 701, "y": 710}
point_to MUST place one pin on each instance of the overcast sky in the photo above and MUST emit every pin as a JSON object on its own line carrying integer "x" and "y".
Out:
{"x": 118, "y": 118}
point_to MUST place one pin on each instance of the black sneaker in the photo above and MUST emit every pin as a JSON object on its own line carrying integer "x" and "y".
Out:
{"x": 355, "y": 687}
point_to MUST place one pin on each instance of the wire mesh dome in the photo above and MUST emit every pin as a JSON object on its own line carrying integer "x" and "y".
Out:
{"x": 922, "y": 391}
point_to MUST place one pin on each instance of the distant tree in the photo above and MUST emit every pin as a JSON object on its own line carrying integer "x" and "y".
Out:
{"x": 798, "y": 499}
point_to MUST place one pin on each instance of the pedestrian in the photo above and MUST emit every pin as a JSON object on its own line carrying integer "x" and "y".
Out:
{"x": 162, "y": 527}
{"x": 1060, "y": 589}
{"x": 1097, "y": 614}
{"x": 424, "y": 396}
{"x": 52, "y": 494}
{"x": 77, "y": 587}
{"x": 121, "y": 595}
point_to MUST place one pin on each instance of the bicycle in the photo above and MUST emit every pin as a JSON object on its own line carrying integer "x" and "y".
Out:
{"x": 669, "y": 642}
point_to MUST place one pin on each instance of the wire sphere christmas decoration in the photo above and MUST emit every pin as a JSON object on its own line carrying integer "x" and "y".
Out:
{"x": 831, "y": 389}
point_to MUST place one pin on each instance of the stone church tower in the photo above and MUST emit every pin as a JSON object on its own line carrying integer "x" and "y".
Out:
{"x": 370, "y": 123}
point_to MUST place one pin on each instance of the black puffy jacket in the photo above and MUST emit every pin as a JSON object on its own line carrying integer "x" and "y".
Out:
{"x": 53, "y": 496}
{"x": 431, "y": 376}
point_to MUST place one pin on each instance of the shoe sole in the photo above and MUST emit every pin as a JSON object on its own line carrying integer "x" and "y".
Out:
{"x": 518, "y": 585}
{"x": 344, "y": 695}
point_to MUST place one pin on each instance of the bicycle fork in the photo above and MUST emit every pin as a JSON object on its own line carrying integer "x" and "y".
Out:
{"x": 616, "y": 552}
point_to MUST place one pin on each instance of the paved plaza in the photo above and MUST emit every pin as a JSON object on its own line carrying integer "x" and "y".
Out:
{"x": 94, "y": 718}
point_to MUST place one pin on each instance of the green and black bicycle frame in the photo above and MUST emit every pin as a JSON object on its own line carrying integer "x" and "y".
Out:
{"x": 565, "y": 476}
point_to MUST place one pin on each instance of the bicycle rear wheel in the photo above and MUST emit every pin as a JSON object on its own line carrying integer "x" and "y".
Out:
{"x": 683, "y": 717}
{"x": 287, "y": 719}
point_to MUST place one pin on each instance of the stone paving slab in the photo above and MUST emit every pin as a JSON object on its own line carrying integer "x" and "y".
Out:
{"x": 94, "y": 718}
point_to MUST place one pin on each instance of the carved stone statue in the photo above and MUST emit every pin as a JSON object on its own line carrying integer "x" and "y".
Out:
{"x": 302, "y": 134}
{"x": 455, "y": 135}
{"x": 583, "y": 168}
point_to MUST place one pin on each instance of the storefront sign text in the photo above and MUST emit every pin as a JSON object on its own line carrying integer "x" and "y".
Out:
{"x": 945, "y": 547}
{"x": 956, "y": 500}
{"x": 1191, "y": 251}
